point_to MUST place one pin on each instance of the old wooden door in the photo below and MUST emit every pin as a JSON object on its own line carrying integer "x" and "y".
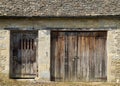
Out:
{"x": 23, "y": 54}
{"x": 78, "y": 56}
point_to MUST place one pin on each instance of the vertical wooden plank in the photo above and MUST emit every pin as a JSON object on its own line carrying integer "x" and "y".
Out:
{"x": 69, "y": 56}
{"x": 61, "y": 54}
{"x": 72, "y": 40}
{"x": 56, "y": 58}
{"x": 100, "y": 58}
{"x": 66, "y": 57}
{"x": 34, "y": 56}
{"x": 28, "y": 55}
{"x": 14, "y": 62}
{"x": 31, "y": 57}
{"x": 103, "y": 58}
{"x": 76, "y": 57}
{"x": 79, "y": 73}
{"x": 20, "y": 53}
{"x": 97, "y": 58}
{"x": 92, "y": 56}
{"x": 31, "y": 50}
{"x": 23, "y": 58}
{"x": 94, "y": 61}
{"x": 80, "y": 58}
{"x": 87, "y": 57}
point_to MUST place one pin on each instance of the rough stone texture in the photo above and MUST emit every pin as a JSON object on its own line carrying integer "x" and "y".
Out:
{"x": 114, "y": 55}
{"x": 4, "y": 51}
{"x": 59, "y": 7}
{"x": 44, "y": 55}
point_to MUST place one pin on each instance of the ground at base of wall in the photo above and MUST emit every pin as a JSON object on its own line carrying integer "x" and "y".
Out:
{"x": 75, "y": 84}
{"x": 23, "y": 83}
{"x": 5, "y": 81}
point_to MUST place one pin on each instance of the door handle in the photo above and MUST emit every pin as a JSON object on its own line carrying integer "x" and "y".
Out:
{"x": 73, "y": 59}
{"x": 76, "y": 57}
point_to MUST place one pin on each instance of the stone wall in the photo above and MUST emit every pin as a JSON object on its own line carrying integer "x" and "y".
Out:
{"x": 43, "y": 26}
{"x": 44, "y": 55}
{"x": 4, "y": 51}
{"x": 114, "y": 55}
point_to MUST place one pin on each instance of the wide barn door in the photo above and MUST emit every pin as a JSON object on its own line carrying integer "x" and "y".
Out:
{"x": 23, "y": 54}
{"x": 78, "y": 56}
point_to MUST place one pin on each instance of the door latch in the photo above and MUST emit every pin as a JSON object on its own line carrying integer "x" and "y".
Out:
{"x": 75, "y": 58}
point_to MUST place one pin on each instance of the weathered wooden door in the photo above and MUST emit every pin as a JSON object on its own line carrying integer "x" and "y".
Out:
{"x": 23, "y": 54}
{"x": 78, "y": 56}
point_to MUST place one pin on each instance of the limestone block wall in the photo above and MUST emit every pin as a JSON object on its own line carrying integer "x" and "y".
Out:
{"x": 44, "y": 55}
{"x": 4, "y": 51}
{"x": 113, "y": 52}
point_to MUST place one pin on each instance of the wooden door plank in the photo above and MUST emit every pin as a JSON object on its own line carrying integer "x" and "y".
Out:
{"x": 68, "y": 66}
{"x": 98, "y": 59}
{"x": 66, "y": 58}
{"x": 30, "y": 48}
{"x": 87, "y": 58}
{"x": 103, "y": 58}
{"x": 53, "y": 56}
{"x": 61, "y": 57}
{"x": 72, "y": 49}
{"x": 92, "y": 58}
{"x": 56, "y": 60}
{"x": 84, "y": 58}
{"x": 80, "y": 57}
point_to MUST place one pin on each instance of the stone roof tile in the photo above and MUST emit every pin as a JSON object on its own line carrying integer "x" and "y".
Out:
{"x": 59, "y": 7}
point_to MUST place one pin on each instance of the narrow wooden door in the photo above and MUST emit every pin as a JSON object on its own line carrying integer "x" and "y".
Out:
{"x": 23, "y": 54}
{"x": 78, "y": 56}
